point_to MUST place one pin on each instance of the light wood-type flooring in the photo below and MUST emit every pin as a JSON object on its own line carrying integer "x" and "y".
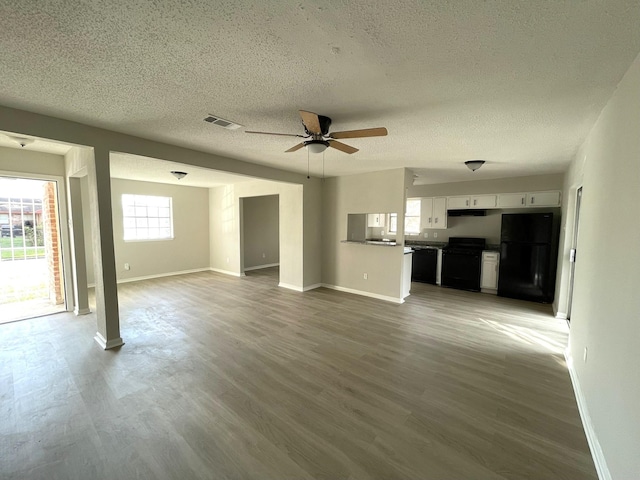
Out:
{"x": 235, "y": 378}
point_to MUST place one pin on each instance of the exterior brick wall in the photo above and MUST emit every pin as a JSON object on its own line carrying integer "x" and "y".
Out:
{"x": 51, "y": 242}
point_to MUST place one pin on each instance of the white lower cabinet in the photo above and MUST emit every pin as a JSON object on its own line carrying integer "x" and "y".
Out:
{"x": 489, "y": 276}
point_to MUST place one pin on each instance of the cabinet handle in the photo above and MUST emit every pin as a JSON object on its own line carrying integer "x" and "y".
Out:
{"x": 533, "y": 200}
{"x": 429, "y": 219}
{"x": 466, "y": 202}
{"x": 522, "y": 201}
{"x": 475, "y": 201}
{"x": 436, "y": 220}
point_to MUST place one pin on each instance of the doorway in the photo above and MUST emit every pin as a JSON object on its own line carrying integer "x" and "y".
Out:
{"x": 573, "y": 251}
{"x": 260, "y": 237}
{"x": 31, "y": 267}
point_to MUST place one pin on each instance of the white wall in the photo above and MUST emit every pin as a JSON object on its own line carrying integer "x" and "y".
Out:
{"x": 189, "y": 248}
{"x": 343, "y": 263}
{"x": 606, "y": 308}
{"x": 260, "y": 230}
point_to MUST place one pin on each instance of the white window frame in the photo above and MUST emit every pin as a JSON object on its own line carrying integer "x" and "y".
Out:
{"x": 147, "y": 218}
{"x": 393, "y": 218}
{"x": 407, "y": 216}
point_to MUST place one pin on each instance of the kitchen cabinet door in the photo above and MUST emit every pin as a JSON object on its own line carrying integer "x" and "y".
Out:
{"x": 543, "y": 199}
{"x": 375, "y": 220}
{"x": 427, "y": 212}
{"x": 484, "y": 201}
{"x": 489, "y": 276}
{"x": 440, "y": 212}
{"x": 512, "y": 200}
{"x": 457, "y": 203}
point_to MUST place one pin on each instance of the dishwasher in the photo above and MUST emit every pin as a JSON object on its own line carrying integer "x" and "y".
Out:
{"x": 425, "y": 265}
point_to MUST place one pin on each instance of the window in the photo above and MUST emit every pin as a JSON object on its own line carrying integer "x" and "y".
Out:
{"x": 393, "y": 222}
{"x": 412, "y": 217}
{"x": 147, "y": 217}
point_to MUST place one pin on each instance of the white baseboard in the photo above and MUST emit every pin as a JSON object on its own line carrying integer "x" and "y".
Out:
{"x": 226, "y": 272}
{"x": 106, "y": 345}
{"x": 82, "y": 311}
{"x": 291, "y": 287}
{"x": 312, "y": 287}
{"x": 364, "y": 294}
{"x": 160, "y": 275}
{"x": 594, "y": 445}
{"x": 258, "y": 267}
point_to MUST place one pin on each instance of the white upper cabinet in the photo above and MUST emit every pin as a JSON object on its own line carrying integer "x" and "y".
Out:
{"x": 543, "y": 199}
{"x": 458, "y": 203}
{"x": 484, "y": 201}
{"x": 512, "y": 200}
{"x": 434, "y": 212}
{"x": 375, "y": 220}
{"x": 439, "y": 212}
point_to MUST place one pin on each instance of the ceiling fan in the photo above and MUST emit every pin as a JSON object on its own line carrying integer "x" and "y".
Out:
{"x": 318, "y": 138}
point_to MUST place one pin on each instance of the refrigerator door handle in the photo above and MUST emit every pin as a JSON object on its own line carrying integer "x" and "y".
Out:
{"x": 572, "y": 255}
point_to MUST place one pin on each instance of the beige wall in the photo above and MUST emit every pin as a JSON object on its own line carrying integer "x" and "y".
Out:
{"x": 606, "y": 306}
{"x": 531, "y": 183}
{"x": 225, "y": 218}
{"x": 343, "y": 263}
{"x": 13, "y": 160}
{"x": 260, "y": 230}
{"x": 189, "y": 248}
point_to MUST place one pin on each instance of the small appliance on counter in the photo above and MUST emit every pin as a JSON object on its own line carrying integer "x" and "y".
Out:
{"x": 462, "y": 263}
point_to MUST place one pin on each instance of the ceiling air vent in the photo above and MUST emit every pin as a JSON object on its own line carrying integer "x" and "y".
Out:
{"x": 221, "y": 122}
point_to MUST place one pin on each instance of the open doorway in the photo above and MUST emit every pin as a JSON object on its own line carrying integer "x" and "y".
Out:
{"x": 260, "y": 237}
{"x": 31, "y": 267}
{"x": 574, "y": 250}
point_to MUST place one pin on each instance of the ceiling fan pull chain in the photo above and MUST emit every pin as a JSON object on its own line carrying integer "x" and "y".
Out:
{"x": 308, "y": 163}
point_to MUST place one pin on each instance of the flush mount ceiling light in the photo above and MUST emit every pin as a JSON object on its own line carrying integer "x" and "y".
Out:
{"x": 474, "y": 164}
{"x": 179, "y": 175}
{"x": 22, "y": 141}
{"x": 316, "y": 146}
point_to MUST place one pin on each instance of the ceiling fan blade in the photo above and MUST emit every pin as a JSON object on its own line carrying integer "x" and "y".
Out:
{"x": 366, "y": 132}
{"x": 295, "y": 147}
{"x": 311, "y": 122}
{"x": 343, "y": 147}
{"x": 280, "y": 134}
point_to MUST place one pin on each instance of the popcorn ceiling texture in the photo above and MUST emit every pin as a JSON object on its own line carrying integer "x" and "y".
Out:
{"x": 516, "y": 83}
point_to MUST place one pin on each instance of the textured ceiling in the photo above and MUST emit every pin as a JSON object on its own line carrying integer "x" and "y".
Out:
{"x": 518, "y": 84}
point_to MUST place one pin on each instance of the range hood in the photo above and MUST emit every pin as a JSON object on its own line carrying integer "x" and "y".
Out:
{"x": 476, "y": 212}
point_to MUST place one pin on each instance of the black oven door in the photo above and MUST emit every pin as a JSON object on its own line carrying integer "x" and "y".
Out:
{"x": 461, "y": 270}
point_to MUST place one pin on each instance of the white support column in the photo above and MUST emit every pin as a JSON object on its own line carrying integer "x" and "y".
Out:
{"x": 80, "y": 290}
{"x": 108, "y": 335}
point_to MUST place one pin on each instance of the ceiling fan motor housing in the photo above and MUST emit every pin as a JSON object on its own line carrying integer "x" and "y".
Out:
{"x": 325, "y": 123}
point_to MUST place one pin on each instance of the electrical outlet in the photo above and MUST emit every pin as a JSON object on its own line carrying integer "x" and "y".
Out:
{"x": 127, "y": 266}
{"x": 227, "y": 259}
{"x": 365, "y": 276}
{"x": 426, "y": 234}
{"x": 584, "y": 356}
{"x": 435, "y": 234}
{"x": 264, "y": 255}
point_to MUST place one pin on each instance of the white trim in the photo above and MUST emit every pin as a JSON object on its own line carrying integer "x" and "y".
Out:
{"x": 83, "y": 311}
{"x": 291, "y": 287}
{"x": 106, "y": 345}
{"x": 311, "y": 287}
{"x": 363, "y": 293}
{"x": 160, "y": 275}
{"x": 268, "y": 265}
{"x": 561, "y": 315}
{"x": 226, "y": 272}
{"x": 594, "y": 445}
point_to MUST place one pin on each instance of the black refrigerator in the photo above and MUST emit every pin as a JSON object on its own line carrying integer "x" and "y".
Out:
{"x": 527, "y": 257}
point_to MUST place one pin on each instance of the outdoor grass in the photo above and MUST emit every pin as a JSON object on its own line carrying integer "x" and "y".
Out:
{"x": 16, "y": 245}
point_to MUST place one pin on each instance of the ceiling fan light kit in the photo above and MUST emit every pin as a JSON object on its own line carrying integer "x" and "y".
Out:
{"x": 318, "y": 138}
{"x": 474, "y": 164}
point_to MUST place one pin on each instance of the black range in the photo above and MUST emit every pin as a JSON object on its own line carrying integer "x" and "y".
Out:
{"x": 462, "y": 263}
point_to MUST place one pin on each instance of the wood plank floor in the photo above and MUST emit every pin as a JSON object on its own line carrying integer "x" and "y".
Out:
{"x": 235, "y": 378}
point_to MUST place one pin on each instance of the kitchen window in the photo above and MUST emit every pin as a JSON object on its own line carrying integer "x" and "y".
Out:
{"x": 147, "y": 217}
{"x": 412, "y": 217}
